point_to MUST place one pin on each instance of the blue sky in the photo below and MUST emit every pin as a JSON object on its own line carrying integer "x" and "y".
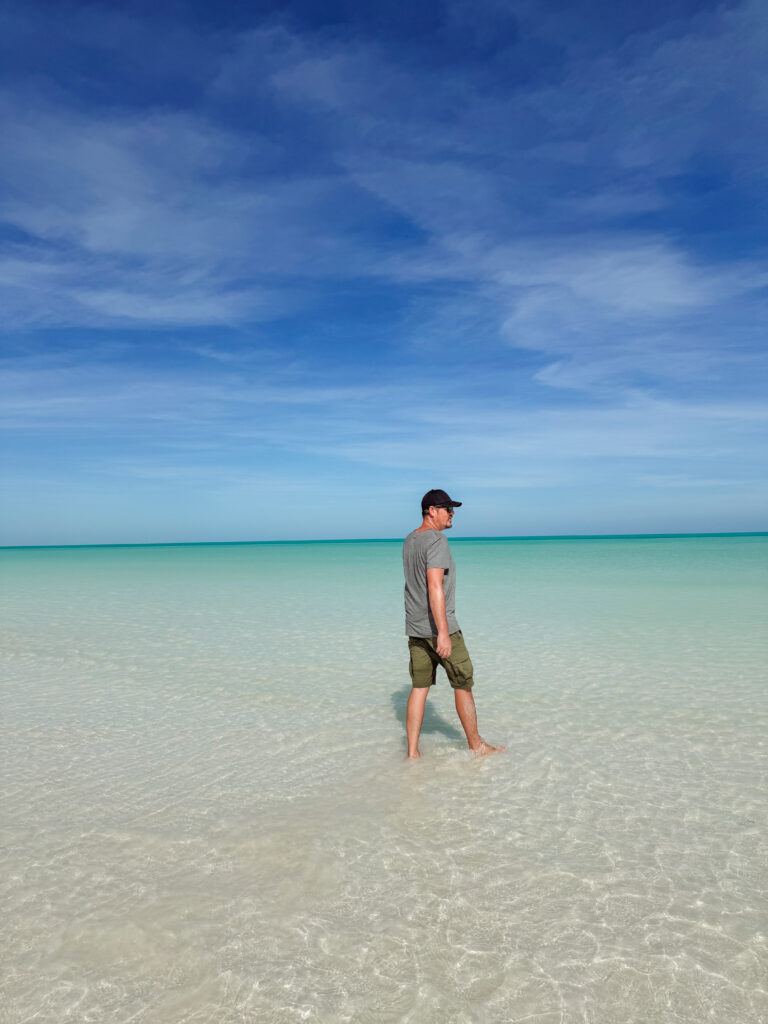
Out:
{"x": 272, "y": 273}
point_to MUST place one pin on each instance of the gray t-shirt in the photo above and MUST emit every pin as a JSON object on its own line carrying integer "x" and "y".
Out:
{"x": 422, "y": 550}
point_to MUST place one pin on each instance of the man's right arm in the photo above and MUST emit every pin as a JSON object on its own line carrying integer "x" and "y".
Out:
{"x": 437, "y": 607}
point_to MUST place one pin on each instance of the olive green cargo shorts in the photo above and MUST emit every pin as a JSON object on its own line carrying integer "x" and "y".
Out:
{"x": 425, "y": 659}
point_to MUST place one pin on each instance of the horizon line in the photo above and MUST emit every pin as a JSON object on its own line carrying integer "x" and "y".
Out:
{"x": 386, "y": 540}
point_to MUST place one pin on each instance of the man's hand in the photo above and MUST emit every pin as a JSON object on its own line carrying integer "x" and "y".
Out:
{"x": 443, "y": 645}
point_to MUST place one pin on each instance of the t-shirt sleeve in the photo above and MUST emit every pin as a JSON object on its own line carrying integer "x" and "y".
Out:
{"x": 438, "y": 553}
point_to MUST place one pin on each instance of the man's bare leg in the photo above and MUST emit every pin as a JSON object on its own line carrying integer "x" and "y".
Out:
{"x": 414, "y": 716}
{"x": 465, "y": 708}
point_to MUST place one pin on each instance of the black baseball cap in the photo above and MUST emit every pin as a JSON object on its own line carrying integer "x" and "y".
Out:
{"x": 439, "y": 499}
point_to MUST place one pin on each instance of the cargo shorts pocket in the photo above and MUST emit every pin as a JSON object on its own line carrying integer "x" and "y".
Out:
{"x": 458, "y": 667}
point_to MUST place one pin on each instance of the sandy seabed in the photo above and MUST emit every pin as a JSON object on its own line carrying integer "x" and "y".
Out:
{"x": 208, "y": 815}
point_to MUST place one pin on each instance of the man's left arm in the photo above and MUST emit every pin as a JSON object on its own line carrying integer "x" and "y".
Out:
{"x": 437, "y": 607}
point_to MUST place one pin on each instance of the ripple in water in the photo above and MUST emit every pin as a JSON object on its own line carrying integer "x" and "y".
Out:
{"x": 208, "y": 816}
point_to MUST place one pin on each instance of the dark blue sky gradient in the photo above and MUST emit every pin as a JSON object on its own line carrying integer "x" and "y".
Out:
{"x": 254, "y": 253}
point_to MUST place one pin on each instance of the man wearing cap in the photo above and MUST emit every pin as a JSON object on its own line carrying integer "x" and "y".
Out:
{"x": 434, "y": 637}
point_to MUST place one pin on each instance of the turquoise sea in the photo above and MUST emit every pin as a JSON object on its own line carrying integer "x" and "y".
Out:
{"x": 208, "y": 816}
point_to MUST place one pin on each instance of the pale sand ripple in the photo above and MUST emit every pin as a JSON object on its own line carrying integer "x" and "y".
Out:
{"x": 207, "y": 815}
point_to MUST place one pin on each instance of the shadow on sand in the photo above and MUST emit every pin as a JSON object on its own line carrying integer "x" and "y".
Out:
{"x": 433, "y": 720}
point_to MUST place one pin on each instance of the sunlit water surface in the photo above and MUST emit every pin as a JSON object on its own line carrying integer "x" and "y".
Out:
{"x": 208, "y": 815}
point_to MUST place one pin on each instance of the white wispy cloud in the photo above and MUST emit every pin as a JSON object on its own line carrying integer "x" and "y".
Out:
{"x": 506, "y": 262}
{"x": 166, "y": 216}
{"x": 383, "y": 424}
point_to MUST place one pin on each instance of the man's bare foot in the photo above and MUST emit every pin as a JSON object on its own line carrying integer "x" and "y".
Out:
{"x": 412, "y": 757}
{"x": 485, "y": 748}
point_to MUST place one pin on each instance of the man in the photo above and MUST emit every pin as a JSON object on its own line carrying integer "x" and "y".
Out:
{"x": 434, "y": 637}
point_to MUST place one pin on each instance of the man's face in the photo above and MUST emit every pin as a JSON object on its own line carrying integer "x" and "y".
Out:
{"x": 443, "y": 518}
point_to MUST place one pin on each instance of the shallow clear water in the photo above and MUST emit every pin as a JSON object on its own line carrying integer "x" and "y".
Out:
{"x": 207, "y": 813}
